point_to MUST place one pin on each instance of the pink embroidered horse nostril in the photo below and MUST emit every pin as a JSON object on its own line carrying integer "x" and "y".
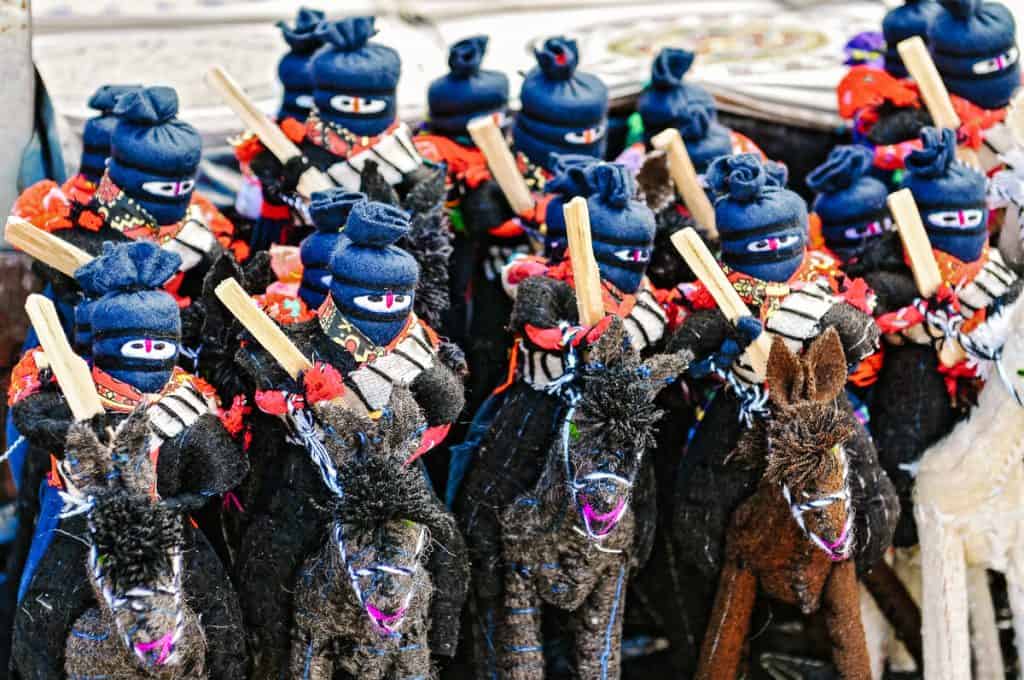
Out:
{"x": 165, "y": 644}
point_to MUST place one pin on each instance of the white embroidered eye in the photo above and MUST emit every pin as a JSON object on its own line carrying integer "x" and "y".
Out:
{"x": 870, "y": 229}
{"x": 384, "y": 302}
{"x": 169, "y": 189}
{"x": 956, "y": 219}
{"x": 358, "y": 105}
{"x": 585, "y": 136}
{"x": 633, "y": 255}
{"x": 304, "y": 101}
{"x": 767, "y": 245}
{"x": 1003, "y": 61}
{"x": 147, "y": 348}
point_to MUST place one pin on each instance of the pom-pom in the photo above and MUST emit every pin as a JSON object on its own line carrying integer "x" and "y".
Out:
{"x": 148, "y": 105}
{"x": 347, "y": 35}
{"x": 611, "y": 183}
{"x": 843, "y": 167}
{"x": 669, "y": 67}
{"x": 376, "y": 224}
{"x": 933, "y": 159}
{"x": 465, "y": 56}
{"x": 558, "y": 58}
{"x": 961, "y": 8}
{"x": 302, "y": 37}
{"x": 323, "y": 382}
{"x": 693, "y": 126}
{"x": 570, "y": 174}
{"x": 126, "y": 267}
{"x": 105, "y": 98}
{"x": 330, "y": 209}
{"x": 739, "y": 178}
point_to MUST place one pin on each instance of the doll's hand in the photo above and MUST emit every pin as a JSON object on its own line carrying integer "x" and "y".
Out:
{"x": 747, "y": 329}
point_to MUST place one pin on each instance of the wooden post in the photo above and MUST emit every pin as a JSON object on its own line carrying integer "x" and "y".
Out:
{"x": 684, "y": 175}
{"x": 44, "y": 246}
{"x": 922, "y": 69}
{"x": 488, "y": 138}
{"x": 72, "y": 373}
{"x": 586, "y": 275}
{"x": 704, "y": 265}
{"x": 268, "y": 131}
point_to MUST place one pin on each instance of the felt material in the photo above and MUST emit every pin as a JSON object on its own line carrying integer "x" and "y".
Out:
{"x": 295, "y": 69}
{"x": 850, "y": 202}
{"x": 373, "y": 282}
{"x": 913, "y": 17}
{"x": 973, "y": 44}
{"x": 563, "y": 110}
{"x": 99, "y": 129}
{"x": 568, "y": 181}
{"x": 329, "y": 210}
{"x": 136, "y": 326}
{"x": 621, "y": 227}
{"x": 466, "y": 91}
{"x": 154, "y": 156}
{"x": 354, "y": 79}
{"x": 762, "y": 225}
{"x": 950, "y": 196}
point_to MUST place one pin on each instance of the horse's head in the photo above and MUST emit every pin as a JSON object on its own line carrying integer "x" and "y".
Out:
{"x": 135, "y": 552}
{"x": 803, "y": 443}
{"x": 603, "y": 444}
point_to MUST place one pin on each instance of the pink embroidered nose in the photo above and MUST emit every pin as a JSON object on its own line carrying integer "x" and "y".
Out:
{"x": 165, "y": 644}
{"x": 960, "y": 217}
{"x": 774, "y": 243}
{"x": 637, "y": 254}
{"x": 389, "y": 299}
{"x": 149, "y": 345}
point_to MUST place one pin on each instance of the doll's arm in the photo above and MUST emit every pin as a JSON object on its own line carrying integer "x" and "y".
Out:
{"x": 210, "y": 461}
{"x": 43, "y": 419}
{"x": 440, "y": 393}
{"x": 544, "y": 303}
{"x": 714, "y": 341}
{"x": 893, "y": 289}
{"x": 857, "y": 330}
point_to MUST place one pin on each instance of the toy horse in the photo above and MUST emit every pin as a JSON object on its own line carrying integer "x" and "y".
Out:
{"x": 970, "y": 488}
{"x": 573, "y": 541}
{"x": 142, "y": 627}
{"x": 794, "y": 536}
{"x": 364, "y": 601}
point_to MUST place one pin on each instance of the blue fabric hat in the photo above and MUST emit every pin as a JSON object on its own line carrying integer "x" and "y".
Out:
{"x": 665, "y": 100}
{"x": 99, "y": 129}
{"x": 295, "y": 69}
{"x": 563, "y": 111}
{"x": 762, "y": 225}
{"x": 973, "y": 44}
{"x": 467, "y": 91}
{"x": 154, "y": 157}
{"x": 914, "y": 17}
{"x": 568, "y": 182}
{"x": 705, "y": 138}
{"x": 850, "y": 202}
{"x": 950, "y": 196}
{"x": 622, "y": 228}
{"x": 329, "y": 210}
{"x": 373, "y": 281}
{"x": 354, "y": 80}
{"x": 136, "y": 326}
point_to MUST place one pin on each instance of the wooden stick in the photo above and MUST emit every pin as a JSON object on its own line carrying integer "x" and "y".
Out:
{"x": 268, "y": 131}
{"x": 586, "y": 275}
{"x": 915, "y": 242}
{"x": 72, "y": 373}
{"x": 704, "y": 265}
{"x": 488, "y": 138}
{"x": 44, "y": 246}
{"x": 922, "y": 69}
{"x": 684, "y": 175}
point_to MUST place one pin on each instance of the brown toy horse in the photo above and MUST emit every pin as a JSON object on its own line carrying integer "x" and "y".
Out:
{"x": 794, "y": 535}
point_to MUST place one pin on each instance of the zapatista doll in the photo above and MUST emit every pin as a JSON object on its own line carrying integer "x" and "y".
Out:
{"x": 269, "y": 215}
{"x": 367, "y": 333}
{"x": 136, "y": 335}
{"x": 795, "y": 293}
{"x": 912, "y": 18}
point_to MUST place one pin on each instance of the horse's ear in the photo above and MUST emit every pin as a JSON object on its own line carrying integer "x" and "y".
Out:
{"x": 785, "y": 374}
{"x": 826, "y": 366}
{"x": 610, "y": 347}
{"x": 663, "y": 368}
{"x": 130, "y": 451}
{"x": 86, "y": 459}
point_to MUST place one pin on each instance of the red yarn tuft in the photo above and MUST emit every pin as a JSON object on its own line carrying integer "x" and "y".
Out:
{"x": 323, "y": 382}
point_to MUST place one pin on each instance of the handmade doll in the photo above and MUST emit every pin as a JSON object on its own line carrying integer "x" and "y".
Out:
{"x": 367, "y": 333}
{"x": 795, "y": 293}
{"x": 136, "y": 331}
{"x": 295, "y": 69}
{"x": 912, "y": 18}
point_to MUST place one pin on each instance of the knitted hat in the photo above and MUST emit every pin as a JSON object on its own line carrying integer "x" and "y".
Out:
{"x": 296, "y": 67}
{"x": 666, "y": 98}
{"x": 568, "y": 182}
{"x": 154, "y": 157}
{"x": 850, "y": 203}
{"x": 914, "y": 17}
{"x": 975, "y": 50}
{"x": 136, "y": 326}
{"x": 762, "y": 225}
{"x": 622, "y": 228}
{"x": 950, "y": 196}
{"x": 563, "y": 111}
{"x": 354, "y": 80}
{"x": 466, "y": 92}
{"x": 373, "y": 281}
{"x": 98, "y": 130}
{"x": 329, "y": 210}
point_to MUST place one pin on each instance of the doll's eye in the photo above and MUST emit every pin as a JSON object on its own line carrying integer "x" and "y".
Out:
{"x": 585, "y": 136}
{"x": 870, "y": 229}
{"x": 1003, "y": 61}
{"x": 775, "y": 243}
{"x": 304, "y": 101}
{"x": 358, "y": 105}
{"x": 387, "y": 302}
{"x": 956, "y": 219}
{"x": 633, "y": 254}
{"x": 147, "y": 348}
{"x": 169, "y": 189}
